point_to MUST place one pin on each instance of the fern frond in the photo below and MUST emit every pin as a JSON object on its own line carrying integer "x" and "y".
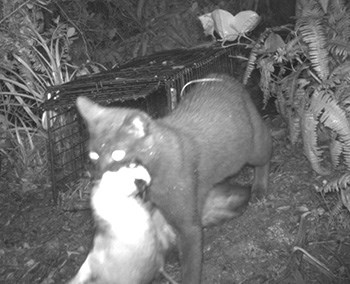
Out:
{"x": 341, "y": 184}
{"x": 254, "y": 54}
{"x": 294, "y": 126}
{"x": 266, "y": 70}
{"x": 337, "y": 184}
{"x": 309, "y": 134}
{"x": 339, "y": 16}
{"x": 281, "y": 105}
{"x": 298, "y": 91}
{"x": 337, "y": 5}
{"x": 313, "y": 35}
{"x": 334, "y": 117}
{"x": 338, "y": 32}
{"x": 308, "y": 9}
{"x": 335, "y": 148}
{"x": 297, "y": 102}
{"x": 345, "y": 197}
{"x": 339, "y": 48}
{"x": 293, "y": 47}
{"x": 337, "y": 209}
{"x": 250, "y": 65}
{"x": 341, "y": 72}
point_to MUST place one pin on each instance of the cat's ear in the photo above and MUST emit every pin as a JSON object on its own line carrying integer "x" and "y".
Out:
{"x": 137, "y": 124}
{"x": 89, "y": 110}
{"x": 134, "y": 122}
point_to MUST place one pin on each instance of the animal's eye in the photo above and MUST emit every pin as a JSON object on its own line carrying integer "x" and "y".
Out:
{"x": 93, "y": 156}
{"x": 118, "y": 155}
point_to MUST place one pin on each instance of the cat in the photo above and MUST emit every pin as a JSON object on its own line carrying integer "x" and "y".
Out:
{"x": 214, "y": 131}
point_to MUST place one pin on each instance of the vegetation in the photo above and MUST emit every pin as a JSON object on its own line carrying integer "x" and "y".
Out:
{"x": 306, "y": 68}
{"x": 32, "y": 61}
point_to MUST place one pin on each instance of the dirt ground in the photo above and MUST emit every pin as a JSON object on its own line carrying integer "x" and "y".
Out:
{"x": 293, "y": 236}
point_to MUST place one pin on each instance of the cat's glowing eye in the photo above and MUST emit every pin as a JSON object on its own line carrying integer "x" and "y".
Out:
{"x": 118, "y": 155}
{"x": 93, "y": 156}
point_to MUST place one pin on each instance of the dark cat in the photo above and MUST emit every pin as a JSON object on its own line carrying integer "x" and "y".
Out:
{"x": 210, "y": 136}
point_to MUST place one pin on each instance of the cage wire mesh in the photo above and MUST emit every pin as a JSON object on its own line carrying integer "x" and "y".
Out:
{"x": 152, "y": 84}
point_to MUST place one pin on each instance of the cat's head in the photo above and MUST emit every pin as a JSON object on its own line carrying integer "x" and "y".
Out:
{"x": 118, "y": 136}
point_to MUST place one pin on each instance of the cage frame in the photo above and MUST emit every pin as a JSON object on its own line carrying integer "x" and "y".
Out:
{"x": 169, "y": 70}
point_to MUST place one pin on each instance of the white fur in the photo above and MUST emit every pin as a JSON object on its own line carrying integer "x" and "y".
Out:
{"x": 129, "y": 250}
{"x": 113, "y": 201}
{"x": 139, "y": 126}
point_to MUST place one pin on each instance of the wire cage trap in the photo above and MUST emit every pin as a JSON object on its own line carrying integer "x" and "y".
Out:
{"x": 152, "y": 83}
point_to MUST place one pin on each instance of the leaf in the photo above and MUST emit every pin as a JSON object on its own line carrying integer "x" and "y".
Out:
{"x": 56, "y": 20}
{"x": 273, "y": 42}
{"x": 245, "y": 21}
{"x": 71, "y": 32}
{"x": 111, "y": 33}
{"x": 229, "y": 27}
{"x": 207, "y": 23}
{"x": 222, "y": 20}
